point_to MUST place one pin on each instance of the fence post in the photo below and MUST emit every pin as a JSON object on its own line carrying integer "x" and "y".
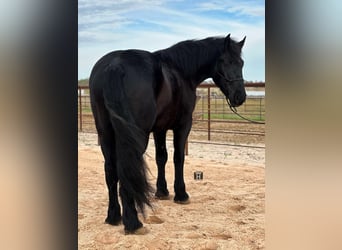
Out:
{"x": 203, "y": 108}
{"x": 209, "y": 113}
{"x": 260, "y": 108}
{"x": 80, "y": 96}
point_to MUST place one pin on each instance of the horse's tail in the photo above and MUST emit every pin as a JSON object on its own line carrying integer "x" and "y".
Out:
{"x": 130, "y": 141}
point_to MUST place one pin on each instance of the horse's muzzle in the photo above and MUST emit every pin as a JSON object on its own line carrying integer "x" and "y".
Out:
{"x": 238, "y": 99}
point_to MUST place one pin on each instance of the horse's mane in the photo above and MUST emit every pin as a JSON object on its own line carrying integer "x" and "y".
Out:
{"x": 191, "y": 55}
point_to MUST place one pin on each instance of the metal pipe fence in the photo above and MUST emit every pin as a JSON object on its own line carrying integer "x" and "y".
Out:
{"x": 212, "y": 118}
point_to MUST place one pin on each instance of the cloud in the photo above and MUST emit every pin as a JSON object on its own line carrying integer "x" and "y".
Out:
{"x": 104, "y": 26}
{"x": 247, "y": 8}
{"x": 156, "y": 24}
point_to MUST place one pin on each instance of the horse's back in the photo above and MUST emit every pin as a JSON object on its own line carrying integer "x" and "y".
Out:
{"x": 131, "y": 77}
{"x": 136, "y": 65}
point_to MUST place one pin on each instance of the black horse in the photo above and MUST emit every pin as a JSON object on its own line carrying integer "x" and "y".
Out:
{"x": 134, "y": 93}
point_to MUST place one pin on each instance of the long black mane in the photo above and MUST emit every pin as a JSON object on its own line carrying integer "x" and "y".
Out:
{"x": 192, "y": 56}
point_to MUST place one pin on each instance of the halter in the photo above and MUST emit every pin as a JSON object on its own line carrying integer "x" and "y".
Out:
{"x": 233, "y": 109}
{"x": 229, "y": 80}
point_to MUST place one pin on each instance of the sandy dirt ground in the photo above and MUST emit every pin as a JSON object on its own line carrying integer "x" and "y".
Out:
{"x": 227, "y": 208}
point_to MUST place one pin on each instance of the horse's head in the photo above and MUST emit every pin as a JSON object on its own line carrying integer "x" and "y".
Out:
{"x": 228, "y": 72}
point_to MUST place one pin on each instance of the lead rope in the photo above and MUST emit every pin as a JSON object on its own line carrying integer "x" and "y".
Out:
{"x": 233, "y": 109}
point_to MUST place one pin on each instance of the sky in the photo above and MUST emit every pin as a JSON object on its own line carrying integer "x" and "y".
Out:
{"x": 106, "y": 25}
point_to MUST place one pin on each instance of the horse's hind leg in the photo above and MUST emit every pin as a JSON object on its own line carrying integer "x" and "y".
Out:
{"x": 107, "y": 141}
{"x": 130, "y": 160}
{"x": 161, "y": 159}
{"x": 130, "y": 215}
{"x": 108, "y": 149}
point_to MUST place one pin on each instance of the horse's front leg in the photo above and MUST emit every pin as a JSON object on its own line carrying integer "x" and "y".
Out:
{"x": 161, "y": 159}
{"x": 179, "y": 139}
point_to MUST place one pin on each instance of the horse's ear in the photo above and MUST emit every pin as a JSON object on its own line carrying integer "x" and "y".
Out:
{"x": 227, "y": 42}
{"x": 242, "y": 42}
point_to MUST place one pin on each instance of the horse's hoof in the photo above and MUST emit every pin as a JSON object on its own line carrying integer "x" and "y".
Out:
{"x": 113, "y": 222}
{"x": 162, "y": 195}
{"x": 183, "y": 198}
{"x": 183, "y": 202}
{"x": 139, "y": 231}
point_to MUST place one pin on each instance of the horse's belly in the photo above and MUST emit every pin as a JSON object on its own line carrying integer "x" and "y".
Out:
{"x": 164, "y": 122}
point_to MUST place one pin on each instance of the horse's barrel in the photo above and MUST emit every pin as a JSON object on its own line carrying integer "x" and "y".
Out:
{"x": 198, "y": 175}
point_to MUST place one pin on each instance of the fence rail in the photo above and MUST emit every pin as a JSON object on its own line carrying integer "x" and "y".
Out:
{"x": 212, "y": 118}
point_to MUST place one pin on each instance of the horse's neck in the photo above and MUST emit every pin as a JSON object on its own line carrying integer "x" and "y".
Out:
{"x": 202, "y": 73}
{"x": 203, "y": 68}
{"x": 199, "y": 61}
